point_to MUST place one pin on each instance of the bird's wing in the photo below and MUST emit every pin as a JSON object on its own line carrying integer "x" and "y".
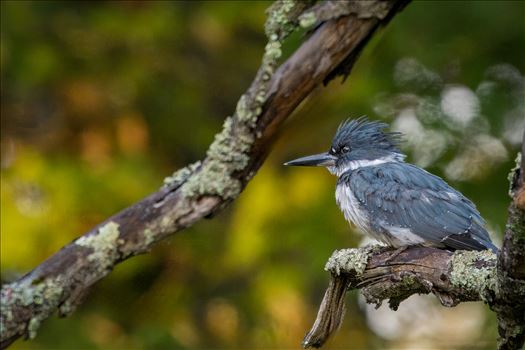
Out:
{"x": 404, "y": 197}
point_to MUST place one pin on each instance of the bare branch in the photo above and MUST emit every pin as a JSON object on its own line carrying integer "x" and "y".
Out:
{"x": 202, "y": 189}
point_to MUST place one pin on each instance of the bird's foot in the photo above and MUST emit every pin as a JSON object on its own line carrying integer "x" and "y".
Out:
{"x": 395, "y": 253}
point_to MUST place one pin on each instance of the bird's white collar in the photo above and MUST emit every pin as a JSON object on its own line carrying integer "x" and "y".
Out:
{"x": 356, "y": 164}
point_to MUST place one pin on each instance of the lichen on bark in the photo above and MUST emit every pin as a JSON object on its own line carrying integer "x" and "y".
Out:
{"x": 179, "y": 176}
{"x": 307, "y": 19}
{"x": 282, "y": 17}
{"x": 353, "y": 260}
{"x": 480, "y": 281}
{"x": 104, "y": 246}
{"x": 43, "y": 296}
{"x": 229, "y": 153}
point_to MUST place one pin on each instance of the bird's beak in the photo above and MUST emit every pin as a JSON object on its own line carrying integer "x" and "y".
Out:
{"x": 321, "y": 159}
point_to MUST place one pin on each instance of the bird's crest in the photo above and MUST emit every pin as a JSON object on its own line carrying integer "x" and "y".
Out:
{"x": 364, "y": 133}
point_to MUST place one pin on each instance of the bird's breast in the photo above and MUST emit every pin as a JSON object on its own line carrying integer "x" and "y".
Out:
{"x": 351, "y": 208}
{"x": 357, "y": 214}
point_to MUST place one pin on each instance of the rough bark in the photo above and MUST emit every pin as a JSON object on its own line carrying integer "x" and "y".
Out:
{"x": 204, "y": 188}
{"x": 384, "y": 274}
{"x": 511, "y": 265}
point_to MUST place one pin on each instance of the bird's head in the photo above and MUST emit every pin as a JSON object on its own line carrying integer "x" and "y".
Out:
{"x": 357, "y": 143}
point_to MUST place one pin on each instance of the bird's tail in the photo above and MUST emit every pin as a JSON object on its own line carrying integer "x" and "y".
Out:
{"x": 491, "y": 246}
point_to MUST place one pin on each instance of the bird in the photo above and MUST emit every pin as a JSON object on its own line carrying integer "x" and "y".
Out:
{"x": 393, "y": 201}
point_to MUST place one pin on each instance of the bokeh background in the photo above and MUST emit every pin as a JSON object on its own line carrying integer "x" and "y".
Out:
{"x": 102, "y": 100}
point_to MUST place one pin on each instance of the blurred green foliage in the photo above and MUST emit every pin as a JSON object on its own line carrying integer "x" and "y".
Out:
{"x": 102, "y": 100}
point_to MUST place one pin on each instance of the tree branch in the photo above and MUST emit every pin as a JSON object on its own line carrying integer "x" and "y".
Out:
{"x": 383, "y": 274}
{"x": 204, "y": 188}
{"x": 511, "y": 264}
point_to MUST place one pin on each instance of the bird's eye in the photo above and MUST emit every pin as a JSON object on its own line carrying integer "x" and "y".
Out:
{"x": 332, "y": 151}
{"x": 345, "y": 149}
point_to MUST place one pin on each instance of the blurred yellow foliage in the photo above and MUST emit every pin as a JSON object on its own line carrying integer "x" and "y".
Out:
{"x": 255, "y": 208}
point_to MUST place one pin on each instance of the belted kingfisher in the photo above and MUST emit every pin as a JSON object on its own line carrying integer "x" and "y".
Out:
{"x": 396, "y": 203}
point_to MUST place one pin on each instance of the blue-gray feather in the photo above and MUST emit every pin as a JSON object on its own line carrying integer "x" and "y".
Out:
{"x": 401, "y": 195}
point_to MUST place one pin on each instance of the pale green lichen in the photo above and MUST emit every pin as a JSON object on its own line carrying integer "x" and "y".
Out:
{"x": 149, "y": 237}
{"x": 227, "y": 154}
{"x": 66, "y": 308}
{"x": 166, "y": 222}
{"x": 215, "y": 179}
{"x": 273, "y": 50}
{"x": 104, "y": 246}
{"x": 43, "y": 296}
{"x": 244, "y": 113}
{"x": 48, "y": 291}
{"x": 278, "y": 24}
{"x": 33, "y": 326}
{"x": 474, "y": 272}
{"x": 352, "y": 260}
{"x": 45, "y": 292}
{"x": 281, "y": 21}
{"x": 181, "y": 175}
{"x": 308, "y": 19}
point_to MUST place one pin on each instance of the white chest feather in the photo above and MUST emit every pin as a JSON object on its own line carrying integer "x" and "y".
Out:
{"x": 350, "y": 207}
{"x": 391, "y": 235}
